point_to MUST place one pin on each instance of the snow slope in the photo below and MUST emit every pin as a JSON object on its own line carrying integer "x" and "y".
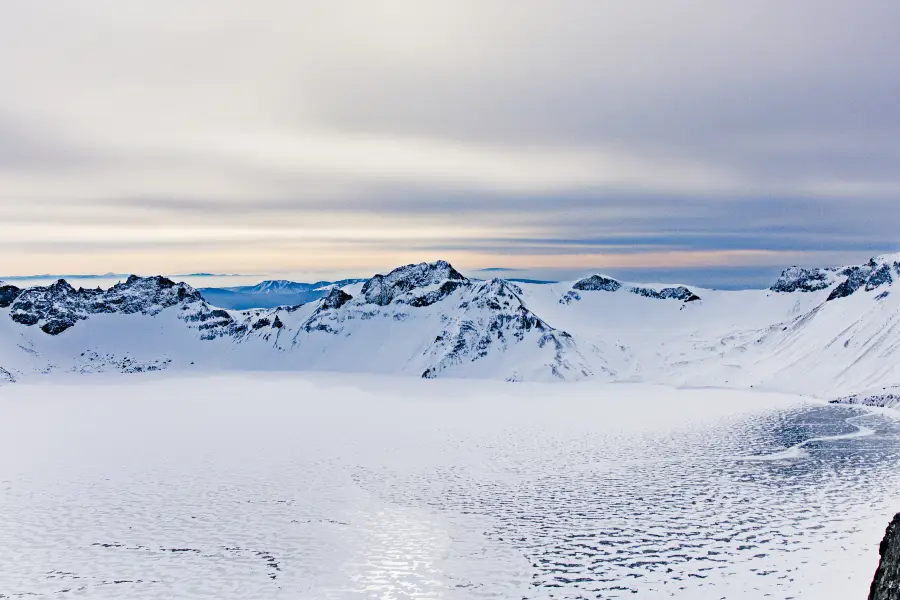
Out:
{"x": 826, "y": 332}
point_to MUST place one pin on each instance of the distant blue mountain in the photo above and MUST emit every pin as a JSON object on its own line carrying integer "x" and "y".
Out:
{"x": 539, "y": 281}
{"x": 270, "y": 293}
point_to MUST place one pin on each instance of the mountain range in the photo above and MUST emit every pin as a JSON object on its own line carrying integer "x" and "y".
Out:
{"x": 830, "y": 332}
{"x": 270, "y": 293}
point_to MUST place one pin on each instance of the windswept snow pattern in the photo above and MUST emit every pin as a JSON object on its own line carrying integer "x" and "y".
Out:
{"x": 337, "y": 487}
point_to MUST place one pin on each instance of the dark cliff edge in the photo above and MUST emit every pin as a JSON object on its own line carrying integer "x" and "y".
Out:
{"x": 886, "y": 585}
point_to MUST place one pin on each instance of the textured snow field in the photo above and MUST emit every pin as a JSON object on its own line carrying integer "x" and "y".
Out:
{"x": 325, "y": 486}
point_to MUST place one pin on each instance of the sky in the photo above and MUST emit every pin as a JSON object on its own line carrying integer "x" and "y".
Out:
{"x": 695, "y": 138}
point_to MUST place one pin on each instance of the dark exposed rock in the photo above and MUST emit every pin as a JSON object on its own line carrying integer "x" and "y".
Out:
{"x": 879, "y": 277}
{"x": 8, "y": 293}
{"x": 57, "y": 326}
{"x": 25, "y": 318}
{"x": 886, "y": 585}
{"x": 277, "y": 324}
{"x": 570, "y": 297}
{"x": 384, "y": 289}
{"x": 59, "y": 306}
{"x": 670, "y": 293}
{"x": 870, "y": 276}
{"x": 798, "y": 279}
{"x": 597, "y": 283}
{"x": 335, "y": 299}
{"x": 856, "y": 278}
{"x": 883, "y": 398}
{"x": 876, "y": 273}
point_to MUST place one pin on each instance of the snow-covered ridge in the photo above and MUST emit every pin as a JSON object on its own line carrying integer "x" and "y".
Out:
{"x": 843, "y": 281}
{"x": 830, "y": 332}
{"x": 431, "y": 282}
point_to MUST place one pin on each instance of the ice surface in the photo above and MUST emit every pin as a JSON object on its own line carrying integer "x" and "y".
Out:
{"x": 325, "y": 486}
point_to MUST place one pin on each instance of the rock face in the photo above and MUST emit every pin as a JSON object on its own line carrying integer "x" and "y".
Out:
{"x": 670, "y": 293}
{"x": 870, "y": 276}
{"x": 886, "y": 585}
{"x": 8, "y": 293}
{"x": 399, "y": 283}
{"x": 336, "y": 298}
{"x": 597, "y": 283}
{"x": 798, "y": 279}
{"x": 844, "y": 281}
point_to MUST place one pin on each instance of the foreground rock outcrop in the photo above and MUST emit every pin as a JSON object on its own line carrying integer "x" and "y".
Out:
{"x": 886, "y": 585}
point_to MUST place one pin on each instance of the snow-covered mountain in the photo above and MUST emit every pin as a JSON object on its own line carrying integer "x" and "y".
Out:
{"x": 829, "y": 332}
{"x": 270, "y": 293}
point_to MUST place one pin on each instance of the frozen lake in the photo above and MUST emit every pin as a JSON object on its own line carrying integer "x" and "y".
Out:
{"x": 363, "y": 487}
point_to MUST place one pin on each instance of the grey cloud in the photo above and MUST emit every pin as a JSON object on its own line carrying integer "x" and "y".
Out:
{"x": 781, "y": 116}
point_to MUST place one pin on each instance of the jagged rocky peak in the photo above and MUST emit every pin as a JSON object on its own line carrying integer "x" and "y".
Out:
{"x": 58, "y": 306}
{"x": 799, "y": 279}
{"x": 492, "y": 319}
{"x": 844, "y": 281}
{"x": 878, "y": 272}
{"x": 335, "y": 299}
{"x": 597, "y": 283}
{"x": 418, "y": 285}
{"x": 148, "y": 295}
{"x": 886, "y": 585}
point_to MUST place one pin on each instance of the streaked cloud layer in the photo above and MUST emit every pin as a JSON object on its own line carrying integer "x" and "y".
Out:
{"x": 299, "y": 136}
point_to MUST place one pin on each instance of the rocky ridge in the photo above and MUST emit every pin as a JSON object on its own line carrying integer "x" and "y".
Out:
{"x": 882, "y": 399}
{"x": 418, "y": 285}
{"x": 601, "y": 283}
{"x": 869, "y": 276}
{"x": 886, "y": 585}
{"x": 57, "y": 307}
{"x": 879, "y": 271}
{"x": 799, "y": 279}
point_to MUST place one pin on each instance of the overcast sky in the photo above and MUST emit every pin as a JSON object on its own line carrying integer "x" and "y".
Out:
{"x": 288, "y": 136}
